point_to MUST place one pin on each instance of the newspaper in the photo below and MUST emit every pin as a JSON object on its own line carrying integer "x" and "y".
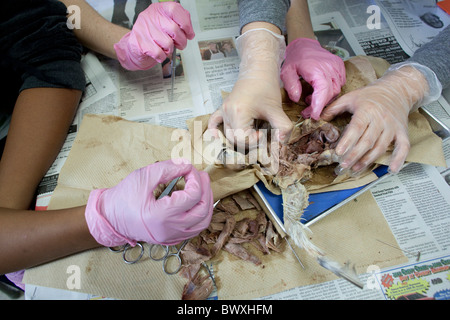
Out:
{"x": 379, "y": 42}
{"x": 415, "y": 202}
{"x": 414, "y": 22}
{"x": 212, "y": 53}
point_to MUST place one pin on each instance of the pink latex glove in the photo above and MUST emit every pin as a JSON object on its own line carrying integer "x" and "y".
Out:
{"x": 157, "y": 30}
{"x": 129, "y": 212}
{"x": 324, "y": 71}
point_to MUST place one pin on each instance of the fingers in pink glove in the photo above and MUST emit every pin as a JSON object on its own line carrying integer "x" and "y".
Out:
{"x": 164, "y": 25}
{"x": 324, "y": 71}
{"x": 290, "y": 77}
{"x": 326, "y": 88}
{"x": 182, "y": 18}
{"x": 169, "y": 24}
{"x": 157, "y": 30}
{"x": 185, "y": 213}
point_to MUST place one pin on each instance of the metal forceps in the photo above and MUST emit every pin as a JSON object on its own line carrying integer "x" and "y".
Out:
{"x": 174, "y": 66}
{"x": 171, "y": 260}
{"x": 126, "y": 248}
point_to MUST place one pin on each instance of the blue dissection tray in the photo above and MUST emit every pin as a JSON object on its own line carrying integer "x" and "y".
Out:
{"x": 319, "y": 202}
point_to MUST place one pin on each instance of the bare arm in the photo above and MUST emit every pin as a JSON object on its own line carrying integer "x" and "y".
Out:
{"x": 29, "y": 238}
{"x": 95, "y": 32}
{"x": 298, "y": 21}
{"x": 39, "y": 125}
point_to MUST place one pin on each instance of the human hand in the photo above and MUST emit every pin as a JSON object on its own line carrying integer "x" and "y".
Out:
{"x": 157, "y": 30}
{"x": 129, "y": 212}
{"x": 256, "y": 94}
{"x": 324, "y": 71}
{"x": 380, "y": 117}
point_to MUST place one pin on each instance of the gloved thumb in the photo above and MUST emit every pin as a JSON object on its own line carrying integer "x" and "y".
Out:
{"x": 281, "y": 121}
{"x": 336, "y": 107}
{"x": 320, "y": 97}
{"x": 215, "y": 120}
{"x": 291, "y": 82}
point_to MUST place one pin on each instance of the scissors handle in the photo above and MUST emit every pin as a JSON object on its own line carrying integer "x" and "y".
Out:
{"x": 127, "y": 248}
{"x": 155, "y": 256}
{"x": 117, "y": 249}
{"x": 173, "y": 267}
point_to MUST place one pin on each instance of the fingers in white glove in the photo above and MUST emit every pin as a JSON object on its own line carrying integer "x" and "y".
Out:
{"x": 372, "y": 129}
{"x": 256, "y": 94}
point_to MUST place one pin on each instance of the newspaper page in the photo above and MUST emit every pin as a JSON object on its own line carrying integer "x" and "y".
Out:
{"x": 334, "y": 34}
{"x": 212, "y": 54}
{"x": 413, "y": 22}
{"x": 376, "y": 39}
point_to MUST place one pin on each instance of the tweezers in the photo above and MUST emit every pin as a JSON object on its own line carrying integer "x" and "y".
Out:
{"x": 172, "y": 77}
{"x": 174, "y": 65}
{"x": 169, "y": 188}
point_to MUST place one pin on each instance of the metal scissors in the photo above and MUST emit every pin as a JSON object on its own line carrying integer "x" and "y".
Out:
{"x": 164, "y": 253}
{"x": 127, "y": 248}
{"x": 171, "y": 260}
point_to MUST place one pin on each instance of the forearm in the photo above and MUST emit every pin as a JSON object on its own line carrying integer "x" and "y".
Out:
{"x": 29, "y": 238}
{"x": 269, "y": 11}
{"x": 261, "y": 51}
{"x": 261, "y": 24}
{"x": 95, "y": 32}
{"x": 298, "y": 21}
{"x": 435, "y": 55}
{"x": 39, "y": 126}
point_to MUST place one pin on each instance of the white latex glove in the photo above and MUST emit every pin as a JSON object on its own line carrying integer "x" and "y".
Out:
{"x": 256, "y": 94}
{"x": 380, "y": 116}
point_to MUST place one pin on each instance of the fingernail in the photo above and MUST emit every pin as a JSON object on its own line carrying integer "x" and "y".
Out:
{"x": 390, "y": 171}
{"x": 356, "y": 174}
{"x": 340, "y": 171}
